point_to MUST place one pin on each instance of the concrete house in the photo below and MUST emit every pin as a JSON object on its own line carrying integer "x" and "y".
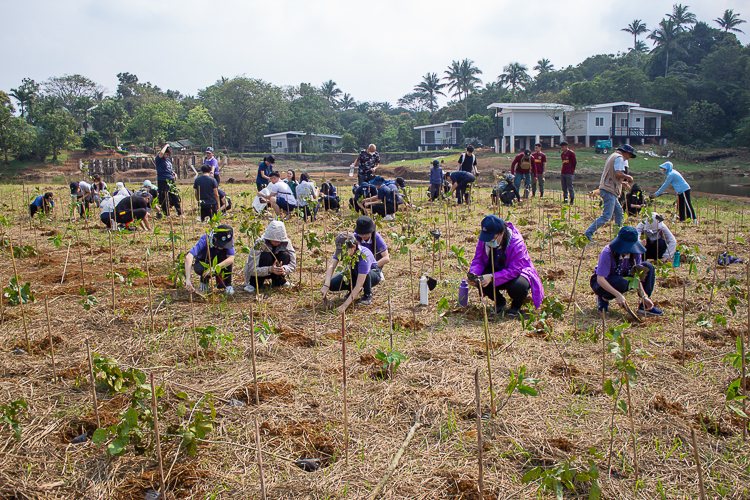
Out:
{"x": 440, "y": 135}
{"x": 524, "y": 124}
{"x": 291, "y": 142}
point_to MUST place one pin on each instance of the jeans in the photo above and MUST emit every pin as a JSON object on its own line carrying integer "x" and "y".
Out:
{"x": 167, "y": 198}
{"x": 611, "y": 205}
{"x": 526, "y": 182}
{"x": 620, "y": 284}
{"x": 224, "y": 278}
{"x": 567, "y": 187}
{"x": 534, "y": 179}
{"x": 518, "y": 290}
{"x": 685, "y": 206}
{"x": 655, "y": 248}
{"x": 372, "y": 279}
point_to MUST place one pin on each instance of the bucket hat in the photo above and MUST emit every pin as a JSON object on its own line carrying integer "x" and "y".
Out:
{"x": 627, "y": 148}
{"x": 223, "y": 237}
{"x": 365, "y": 225}
{"x": 627, "y": 241}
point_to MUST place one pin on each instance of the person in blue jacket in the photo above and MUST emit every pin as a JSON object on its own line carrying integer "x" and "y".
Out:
{"x": 43, "y": 203}
{"x": 164, "y": 180}
{"x": 436, "y": 180}
{"x": 264, "y": 172}
{"x": 361, "y": 193}
{"x": 681, "y": 187}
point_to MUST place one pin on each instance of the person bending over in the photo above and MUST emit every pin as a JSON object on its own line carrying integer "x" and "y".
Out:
{"x": 108, "y": 205}
{"x": 133, "y": 210}
{"x": 362, "y": 265}
{"x": 213, "y": 255}
{"x": 681, "y": 187}
{"x": 385, "y": 202}
{"x": 43, "y": 203}
{"x": 460, "y": 181}
{"x": 619, "y": 260}
{"x": 271, "y": 258}
{"x": 362, "y": 192}
{"x": 501, "y": 262}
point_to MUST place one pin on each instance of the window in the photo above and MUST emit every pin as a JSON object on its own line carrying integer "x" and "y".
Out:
{"x": 507, "y": 121}
{"x": 623, "y": 122}
{"x": 557, "y": 118}
{"x": 278, "y": 144}
{"x": 599, "y": 121}
{"x": 638, "y": 120}
{"x": 437, "y": 131}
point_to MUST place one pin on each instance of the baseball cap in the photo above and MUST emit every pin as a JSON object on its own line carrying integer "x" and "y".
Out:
{"x": 73, "y": 187}
{"x": 491, "y": 225}
{"x": 223, "y": 236}
{"x": 209, "y": 149}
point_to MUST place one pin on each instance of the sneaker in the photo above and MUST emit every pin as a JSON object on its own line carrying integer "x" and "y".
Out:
{"x": 498, "y": 310}
{"x": 389, "y": 217}
{"x": 249, "y": 289}
{"x": 229, "y": 290}
{"x": 287, "y": 284}
{"x": 512, "y": 312}
{"x": 602, "y": 305}
{"x": 654, "y": 311}
{"x": 203, "y": 287}
{"x": 564, "y": 202}
{"x": 366, "y": 300}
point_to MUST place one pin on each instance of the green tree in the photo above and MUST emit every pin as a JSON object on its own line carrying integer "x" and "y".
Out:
{"x": 544, "y": 66}
{"x": 681, "y": 16}
{"x": 152, "y": 121}
{"x": 198, "y": 125}
{"x": 462, "y": 80}
{"x": 666, "y": 37}
{"x": 477, "y": 127}
{"x": 414, "y": 101}
{"x": 348, "y": 143}
{"x": 7, "y": 128}
{"x": 25, "y": 95}
{"x": 330, "y": 91}
{"x": 729, "y": 21}
{"x": 346, "y": 102}
{"x": 514, "y": 76}
{"x": 76, "y": 93}
{"x": 636, "y": 28}
{"x": 58, "y": 131}
{"x": 91, "y": 141}
{"x": 110, "y": 120}
{"x": 430, "y": 87}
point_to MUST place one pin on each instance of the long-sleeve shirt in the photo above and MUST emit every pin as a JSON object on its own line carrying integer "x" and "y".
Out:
{"x": 540, "y": 163}
{"x": 675, "y": 179}
{"x": 655, "y": 230}
{"x": 261, "y": 246}
{"x": 525, "y": 164}
{"x": 164, "y": 169}
{"x": 569, "y": 162}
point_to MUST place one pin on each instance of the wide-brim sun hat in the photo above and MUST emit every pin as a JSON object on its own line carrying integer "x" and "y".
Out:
{"x": 365, "y": 225}
{"x": 491, "y": 225}
{"x": 627, "y": 148}
{"x": 276, "y": 231}
{"x": 627, "y": 242}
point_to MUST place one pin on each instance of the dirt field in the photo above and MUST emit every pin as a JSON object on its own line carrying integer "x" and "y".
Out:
{"x": 300, "y": 374}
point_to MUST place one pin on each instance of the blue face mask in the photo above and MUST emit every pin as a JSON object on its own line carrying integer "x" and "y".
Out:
{"x": 494, "y": 244}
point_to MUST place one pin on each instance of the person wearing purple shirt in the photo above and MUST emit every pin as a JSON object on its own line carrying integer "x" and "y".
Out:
{"x": 501, "y": 250}
{"x": 212, "y": 162}
{"x": 620, "y": 259}
{"x": 217, "y": 246}
{"x": 368, "y": 237}
{"x": 364, "y": 272}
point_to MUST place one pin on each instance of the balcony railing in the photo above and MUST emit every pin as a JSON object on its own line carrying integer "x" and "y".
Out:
{"x": 439, "y": 142}
{"x": 634, "y": 132}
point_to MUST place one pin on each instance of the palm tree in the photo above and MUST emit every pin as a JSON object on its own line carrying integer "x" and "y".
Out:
{"x": 636, "y": 28}
{"x": 544, "y": 66}
{"x": 347, "y": 102}
{"x": 729, "y": 20}
{"x": 330, "y": 91}
{"x": 680, "y": 15}
{"x": 431, "y": 87}
{"x": 665, "y": 37}
{"x": 462, "y": 80}
{"x": 25, "y": 95}
{"x": 515, "y": 76}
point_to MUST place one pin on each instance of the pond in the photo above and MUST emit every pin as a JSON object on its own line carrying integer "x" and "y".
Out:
{"x": 733, "y": 186}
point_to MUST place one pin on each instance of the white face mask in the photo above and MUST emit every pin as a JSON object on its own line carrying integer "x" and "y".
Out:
{"x": 494, "y": 243}
{"x": 625, "y": 256}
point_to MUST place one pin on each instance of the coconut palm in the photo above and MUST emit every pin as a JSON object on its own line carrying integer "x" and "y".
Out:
{"x": 462, "y": 79}
{"x": 636, "y": 28}
{"x": 347, "y": 102}
{"x": 729, "y": 20}
{"x": 681, "y": 15}
{"x": 515, "y": 76}
{"x": 544, "y": 66}
{"x": 431, "y": 88}
{"x": 666, "y": 37}
{"x": 25, "y": 95}
{"x": 330, "y": 91}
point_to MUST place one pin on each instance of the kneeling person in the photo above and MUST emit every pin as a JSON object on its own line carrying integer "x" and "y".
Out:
{"x": 216, "y": 246}
{"x": 272, "y": 257}
{"x": 364, "y": 271}
{"x": 133, "y": 209}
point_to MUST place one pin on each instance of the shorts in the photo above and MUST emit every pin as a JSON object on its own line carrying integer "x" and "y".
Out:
{"x": 284, "y": 204}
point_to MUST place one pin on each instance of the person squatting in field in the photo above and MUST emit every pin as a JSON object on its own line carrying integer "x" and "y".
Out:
{"x": 660, "y": 242}
{"x": 81, "y": 195}
{"x": 360, "y": 262}
{"x": 505, "y": 192}
{"x": 281, "y": 198}
{"x": 306, "y": 194}
{"x": 329, "y": 198}
{"x": 501, "y": 262}
{"x": 271, "y": 258}
{"x": 213, "y": 255}
{"x": 133, "y": 209}
{"x": 368, "y": 237}
{"x": 385, "y": 202}
{"x": 619, "y": 260}
{"x": 43, "y": 203}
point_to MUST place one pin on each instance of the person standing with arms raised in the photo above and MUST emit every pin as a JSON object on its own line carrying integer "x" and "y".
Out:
{"x": 368, "y": 161}
{"x": 610, "y": 188}
{"x": 164, "y": 180}
{"x": 567, "y": 172}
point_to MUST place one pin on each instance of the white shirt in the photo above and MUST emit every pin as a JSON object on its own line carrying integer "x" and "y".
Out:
{"x": 282, "y": 190}
{"x": 305, "y": 192}
{"x": 109, "y": 204}
{"x": 621, "y": 163}
{"x": 85, "y": 187}
{"x": 655, "y": 230}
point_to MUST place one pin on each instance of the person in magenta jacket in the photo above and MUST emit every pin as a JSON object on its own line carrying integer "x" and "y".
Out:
{"x": 499, "y": 241}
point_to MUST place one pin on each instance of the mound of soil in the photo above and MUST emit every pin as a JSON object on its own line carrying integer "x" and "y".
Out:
{"x": 40, "y": 345}
{"x": 711, "y": 426}
{"x": 465, "y": 488}
{"x": 678, "y": 355}
{"x": 368, "y": 359}
{"x": 296, "y": 339}
{"x": 408, "y": 323}
{"x": 266, "y": 392}
{"x": 185, "y": 481}
{"x": 672, "y": 282}
{"x": 554, "y": 274}
{"x": 661, "y": 404}
{"x": 315, "y": 442}
{"x": 562, "y": 444}
{"x": 561, "y": 370}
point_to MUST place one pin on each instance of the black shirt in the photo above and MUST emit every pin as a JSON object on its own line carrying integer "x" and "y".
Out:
{"x": 461, "y": 176}
{"x": 135, "y": 201}
{"x": 205, "y": 185}
{"x": 468, "y": 162}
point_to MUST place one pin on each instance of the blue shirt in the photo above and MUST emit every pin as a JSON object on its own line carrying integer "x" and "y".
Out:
{"x": 461, "y": 176}
{"x": 266, "y": 168}
{"x": 675, "y": 179}
{"x": 365, "y": 261}
{"x": 200, "y": 248}
{"x": 38, "y": 201}
{"x": 164, "y": 170}
{"x": 608, "y": 265}
{"x": 214, "y": 163}
{"x": 378, "y": 246}
{"x": 387, "y": 193}
{"x": 436, "y": 175}
{"x": 364, "y": 192}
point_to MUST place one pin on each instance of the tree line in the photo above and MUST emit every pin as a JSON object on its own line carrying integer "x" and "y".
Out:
{"x": 698, "y": 71}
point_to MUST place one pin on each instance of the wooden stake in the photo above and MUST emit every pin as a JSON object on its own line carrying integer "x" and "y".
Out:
{"x": 684, "y": 286}
{"x": 93, "y": 384}
{"x": 604, "y": 346}
{"x": 632, "y": 425}
{"x": 743, "y": 379}
{"x": 20, "y": 297}
{"x": 343, "y": 364}
{"x": 112, "y": 271}
{"x": 195, "y": 333}
{"x": 150, "y": 303}
{"x": 573, "y": 291}
{"x": 80, "y": 258}
{"x": 698, "y": 465}
{"x": 480, "y": 444}
{"x": 65, "y": 267}
{"x": 487, "y": 348}
{"x": 155, "y": 410}
{"x": 390, "y": 328}
{"x": 413, "y": 300}
{"x": 252, "y": 351}
{"x": 51, "y": 344}
{"x": 315, "y": 319}
{"x": 394, "y": 462}
{"x": 259, "y": 456}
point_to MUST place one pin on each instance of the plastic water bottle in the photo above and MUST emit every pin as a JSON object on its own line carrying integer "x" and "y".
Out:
{"x": 463, "y": 294}
{"x": 424, "y": 291}
{"x": 676, "y": 259}
{"x": 351, "y": 170}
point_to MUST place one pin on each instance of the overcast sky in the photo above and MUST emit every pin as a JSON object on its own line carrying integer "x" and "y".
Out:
{"x": 374, "y": 50}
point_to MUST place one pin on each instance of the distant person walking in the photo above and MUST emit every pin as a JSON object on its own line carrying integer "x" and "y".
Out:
{"x": 569, "y": 163}
{"x": 367, "y": 162}
{"x": 436, "y": 180}
{"x": 165, "y": 180}
{"x": 468, "y": 161}
{"x": 212, "y": 162}
{"x": 610, "y": 188}
{"x": 206, "y": 192}
{"x": 537, "y": 171}
{"x": 521, "y": 168}
{"x": 681, "y": 187}
{"x": 264, "y": 172}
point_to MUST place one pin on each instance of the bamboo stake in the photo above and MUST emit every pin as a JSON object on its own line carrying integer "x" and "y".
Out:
{"x": 632, "y": 425}
{"x": 575, "y": 282}
{"x": 684, "y": 286}
{"x": 150, "y": 304}
{"x": 20, "y": 297}
{"x": 343, "y": 364}
{"x": 252, "y": 351}
{"x": 65, "y": 267}
{"x": 390, "y": 329}
{"x": 195, "y": 333}
{"x": 413, "y": 300}
{"x": 51, "y": 344}
{"x": 80, "y": 258}
{"x": 259, "y": 455}
{"x": 396, "y": 458}
{"x": 487, "y": 348}
{"x": 315, "y": 319}
{"x": 155, "y": 409}
{"x": 743, "y": 379}
{"x": 604, "y": 346}
{"x": 698, "y": 465}
{"x": 480, "y": 445}
{"x": 112, "y": 271}
{"x": 93, "y": 384}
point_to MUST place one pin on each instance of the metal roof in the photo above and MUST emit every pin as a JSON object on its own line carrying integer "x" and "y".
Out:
{"x": 439, "y": 124}
{"x": 301, "y": 133}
